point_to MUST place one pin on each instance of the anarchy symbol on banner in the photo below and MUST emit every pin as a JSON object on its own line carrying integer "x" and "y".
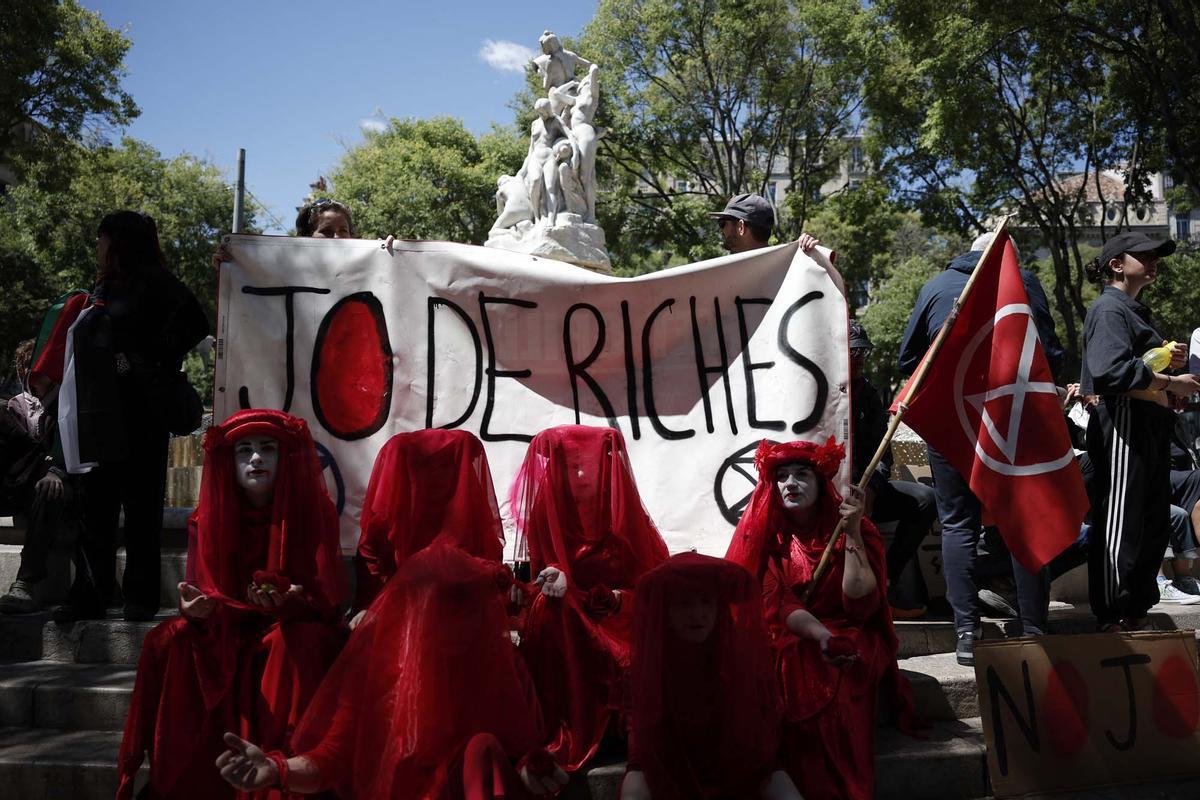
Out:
{"x": 1020, "y": 390}
{"x": 736, "y": 479}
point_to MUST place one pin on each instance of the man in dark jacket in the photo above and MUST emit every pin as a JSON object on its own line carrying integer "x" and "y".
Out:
{"x": 958, "y": 508}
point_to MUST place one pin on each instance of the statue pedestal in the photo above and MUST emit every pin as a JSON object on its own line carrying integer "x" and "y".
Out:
{"x": 572, "y": 240}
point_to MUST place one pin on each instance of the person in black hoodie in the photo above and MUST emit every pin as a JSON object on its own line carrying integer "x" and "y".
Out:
{"x": 958, "y": 508}
{"x": 126, "y": 353}
{"x": 1128, "y": 437}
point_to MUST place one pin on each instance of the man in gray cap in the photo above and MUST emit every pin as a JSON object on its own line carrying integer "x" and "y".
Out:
{"x": 746, "y": 224}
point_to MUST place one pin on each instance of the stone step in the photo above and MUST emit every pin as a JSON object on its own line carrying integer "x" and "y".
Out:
{"x": 943, "y": 689}
{"x": 949, "y": 763}
{"x": 56, "y": 694}
{"x": 36, "y": 637}
{"x": 48, "y": 763}
{"x": 175, "y": 518}
{"x": 922, "y": 637}
{"x": 53, "y": 590}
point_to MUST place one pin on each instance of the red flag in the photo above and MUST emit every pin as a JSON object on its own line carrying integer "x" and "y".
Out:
{"x": 988, "y": 404}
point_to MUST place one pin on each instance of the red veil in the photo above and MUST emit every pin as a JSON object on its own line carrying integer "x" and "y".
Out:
{"x": 762, "y": 531}
{"x": 575, "y": 496}
{"x": 706, "y": 717}
{"x": 244, "y": 668}
{"x": 828, "y": 740}
{"x": 302, "y": 529}
{"x": 431, "y": 665}
{"x": 578, "y": 509}
{"x": 426, "y": 485}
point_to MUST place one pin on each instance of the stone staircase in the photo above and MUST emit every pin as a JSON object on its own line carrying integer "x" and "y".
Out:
{"x": 65, "y": 690}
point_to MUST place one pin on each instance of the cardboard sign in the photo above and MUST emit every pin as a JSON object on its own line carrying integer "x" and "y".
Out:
{"x": 694, "y": 365}
{"x": 1069, "y": 712}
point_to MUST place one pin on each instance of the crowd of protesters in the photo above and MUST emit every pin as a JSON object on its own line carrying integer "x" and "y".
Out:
{"x": 755, "y": 675}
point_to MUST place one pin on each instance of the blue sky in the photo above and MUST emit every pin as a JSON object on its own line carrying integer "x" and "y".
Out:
{"x": 293, "y": 82}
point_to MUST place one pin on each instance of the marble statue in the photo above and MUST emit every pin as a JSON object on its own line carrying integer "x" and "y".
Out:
{"x": 549, "y": 207}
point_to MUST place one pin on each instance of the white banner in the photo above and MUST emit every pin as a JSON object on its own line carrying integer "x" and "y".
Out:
{"x": 695, "y": 365}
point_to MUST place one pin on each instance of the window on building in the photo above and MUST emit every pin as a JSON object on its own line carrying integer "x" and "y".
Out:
{"x": 772, "y": 188}
{"x": 1183, "y": 224}
{"x": 1111, "y": 213}
{"x": 858, "y": 163}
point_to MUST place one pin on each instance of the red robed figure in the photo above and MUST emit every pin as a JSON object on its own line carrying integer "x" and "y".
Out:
{"x": 579, "y": 510}
{"x": 244, "y": 668}
{"x": 705, "y": 712}
{"x": 829, "y": 728}
{"x": 429, "y": 485}
{"x": 989, "y": 405}
{"x": 429, "y": 698}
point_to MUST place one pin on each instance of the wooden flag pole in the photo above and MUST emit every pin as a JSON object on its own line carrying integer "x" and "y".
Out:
{"x": 902, "y": 405}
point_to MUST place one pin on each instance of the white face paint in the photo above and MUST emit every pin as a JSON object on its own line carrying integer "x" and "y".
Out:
{"x": 798, "y": 485}
{"x": 256, "y": 462}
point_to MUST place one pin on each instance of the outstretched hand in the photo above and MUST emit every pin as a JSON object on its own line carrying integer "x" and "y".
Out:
{"x": 553, "y": 582}
{"x": 245, "y": 766}
{"x": 193, "y": 603}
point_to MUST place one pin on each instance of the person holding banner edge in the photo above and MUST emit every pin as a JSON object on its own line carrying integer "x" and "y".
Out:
{"x": 1129, "y": 433}
{"x": 958, "y": 508}
{"x": 746, "y": 223}
{"x": 319, "y": 219}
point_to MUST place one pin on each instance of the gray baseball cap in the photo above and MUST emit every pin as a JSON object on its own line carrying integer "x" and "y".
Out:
{"x": 752, "y": 208}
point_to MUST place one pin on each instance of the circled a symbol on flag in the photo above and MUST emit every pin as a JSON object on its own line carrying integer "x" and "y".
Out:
{"x": 1024, "y": 394}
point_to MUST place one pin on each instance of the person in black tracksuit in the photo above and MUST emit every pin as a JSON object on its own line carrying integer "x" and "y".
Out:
{"x": 958, "y": 508}
{"x": 1128, "y": 436}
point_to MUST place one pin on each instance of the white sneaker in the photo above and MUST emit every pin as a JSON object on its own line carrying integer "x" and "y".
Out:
{"x": 1167, "y": 593}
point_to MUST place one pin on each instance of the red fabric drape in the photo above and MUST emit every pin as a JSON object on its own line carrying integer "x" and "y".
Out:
{"x": 829, "y": 712}
{"x": 426, "y": 486}
{"x": 430, "y": 666}
{"x": 243, "y": 668}
{"x": 705, "y": 716}
{"x": 50, "y": 362}
{"x": 578, "y": 509}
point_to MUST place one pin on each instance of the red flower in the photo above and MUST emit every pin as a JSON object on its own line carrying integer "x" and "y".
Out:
{"x": 840, "y": 647}
{"x": 266, "y": 581}
{"x": 602, "y": 601}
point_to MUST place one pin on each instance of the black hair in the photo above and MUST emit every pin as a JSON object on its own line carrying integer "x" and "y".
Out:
{"x": 1098, "y": 271}
{"x": 759, "y": 233}
{"x": 306, "y": 220}
{"x": 133, "y": 243}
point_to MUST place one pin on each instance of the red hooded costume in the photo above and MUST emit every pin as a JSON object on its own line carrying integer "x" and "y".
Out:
{"x": 429, "y": 699}
{"x": 579, "y": 510}
{"x": 829, "y": 729}
{"x": 429, "y": 485}
{"x": 705, "y": 716}
{"x": 243, "y": 668}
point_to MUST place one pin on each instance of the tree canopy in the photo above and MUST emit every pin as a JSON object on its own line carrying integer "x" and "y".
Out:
{"x": 427, "y": 179}
{"x": 60, "y": 71}
{"x": 48, "y": 223}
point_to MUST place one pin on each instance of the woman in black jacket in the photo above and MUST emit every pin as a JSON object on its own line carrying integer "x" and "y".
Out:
{"x": 128, "y": 351}
{"x": 1128, "y": 436}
